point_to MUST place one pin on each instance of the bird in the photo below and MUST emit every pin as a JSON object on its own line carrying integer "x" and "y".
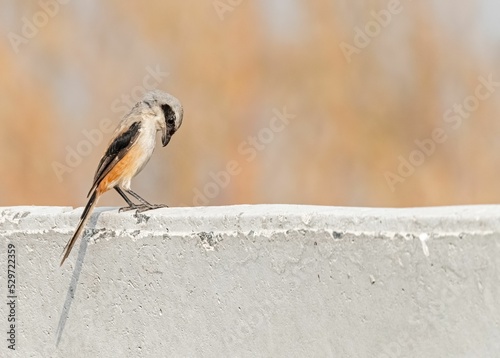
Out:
{"x": 129, "y": 150}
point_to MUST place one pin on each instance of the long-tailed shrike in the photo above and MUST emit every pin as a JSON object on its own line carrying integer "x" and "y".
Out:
{"x": 129, "y": 151}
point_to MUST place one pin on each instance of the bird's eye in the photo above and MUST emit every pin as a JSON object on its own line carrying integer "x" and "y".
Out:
{"x": 169, "y": 114}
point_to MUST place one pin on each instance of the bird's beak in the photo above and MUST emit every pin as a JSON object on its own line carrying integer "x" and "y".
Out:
{"x": 165, "y": 138}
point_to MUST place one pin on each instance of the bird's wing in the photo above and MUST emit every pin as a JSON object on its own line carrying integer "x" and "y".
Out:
{"x": 118, "y": 148}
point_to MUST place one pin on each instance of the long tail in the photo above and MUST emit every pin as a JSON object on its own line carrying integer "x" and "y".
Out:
{"x": 81, "y": 225}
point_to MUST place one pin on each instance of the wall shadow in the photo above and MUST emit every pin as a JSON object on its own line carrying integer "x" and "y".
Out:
{"x": 88, "y": 233}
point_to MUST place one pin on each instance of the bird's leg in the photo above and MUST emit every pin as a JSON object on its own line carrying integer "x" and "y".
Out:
{"x": 131, "y": 205}
{"x": 145, "y": 205}
{"x": 144, "y": 202}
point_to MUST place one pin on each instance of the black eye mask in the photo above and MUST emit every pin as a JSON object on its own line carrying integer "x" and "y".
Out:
{"x": 169, "y": 114}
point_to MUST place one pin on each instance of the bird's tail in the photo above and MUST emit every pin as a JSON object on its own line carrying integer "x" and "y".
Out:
{"x": 83, "y": 220}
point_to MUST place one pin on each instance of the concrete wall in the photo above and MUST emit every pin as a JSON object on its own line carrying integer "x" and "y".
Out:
{"x": 255, "y": 281}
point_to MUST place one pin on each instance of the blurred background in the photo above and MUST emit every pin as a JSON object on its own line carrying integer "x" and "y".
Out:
{"x": 332, "y": 102}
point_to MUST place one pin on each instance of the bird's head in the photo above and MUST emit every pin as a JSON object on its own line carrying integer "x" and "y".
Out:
{"x": 168, "y": 111}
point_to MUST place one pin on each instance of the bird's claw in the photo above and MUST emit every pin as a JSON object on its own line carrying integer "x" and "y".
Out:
{"x": 127, "y": 208}
{"x": 142, "y": 208}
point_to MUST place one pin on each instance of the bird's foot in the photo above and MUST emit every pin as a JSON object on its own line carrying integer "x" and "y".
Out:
{"x": 143, "y": 208}
{"x": 129, "y": 208}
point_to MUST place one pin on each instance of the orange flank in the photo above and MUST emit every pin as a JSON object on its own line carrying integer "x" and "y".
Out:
{"x": 124, "y": 169}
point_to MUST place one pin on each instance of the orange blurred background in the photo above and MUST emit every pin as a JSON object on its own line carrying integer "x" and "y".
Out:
{"x": 364, "y": 85}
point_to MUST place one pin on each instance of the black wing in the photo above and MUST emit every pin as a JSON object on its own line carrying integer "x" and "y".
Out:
{"x": 116, "y": 151}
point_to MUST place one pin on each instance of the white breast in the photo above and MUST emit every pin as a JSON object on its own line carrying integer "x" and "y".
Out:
{"x": 147, "y": 142}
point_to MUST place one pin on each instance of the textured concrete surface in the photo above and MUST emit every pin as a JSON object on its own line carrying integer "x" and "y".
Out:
{"x": 255, "y": 281}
